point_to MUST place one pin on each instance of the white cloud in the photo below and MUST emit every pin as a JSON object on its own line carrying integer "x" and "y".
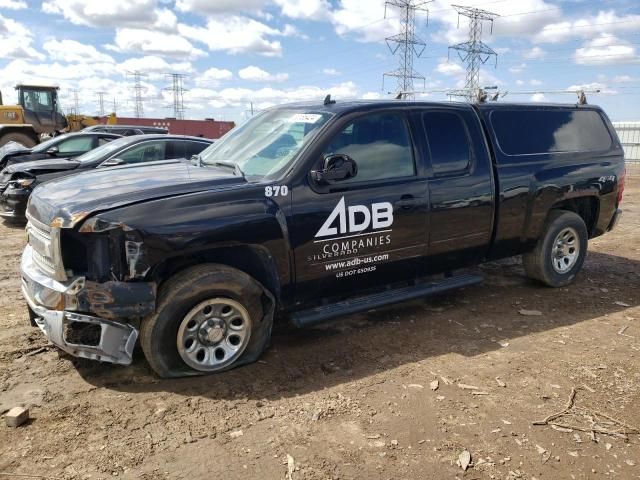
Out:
{"x": 606, "y": 50}
{"x": 535, "y": 82}
{"x": 214, "y": 7}
{"x": 71, "y": 51}
{"x": 518, "y": 68}
{"x": 236, "y": 34}
{"x": 622, "y": 79}
{"x": 510, "y": 23}
{"x": 154, "y": 66}
{"x": 241, "y": 97}
{"x": 21, "y": 71}
{"x": 13, "y": 4}
{"x": 520, "y": 82}
{"x": 450, "y": 68}
{"x": 593, "y": 86}
{"x": 16, "y": 40}
{"x": 535, "y": 53}
{"x": 365, "y": 19}
{"x": 603, "y": 22}
{"x": 257, "y": 74}
{"x": 213, "y": 77}
{"x": 331, "y": 72}
{"x": 113, "y": 13}
{"x": 371, "y": 95}
{"x": 154, "y": 43}
{"x": 538, "y": 97}
{"x": 305, "y": 9}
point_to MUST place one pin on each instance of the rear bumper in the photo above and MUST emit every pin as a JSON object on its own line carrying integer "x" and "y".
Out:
{"x": 78, "y": 334}
{"x": 614, "y": 221}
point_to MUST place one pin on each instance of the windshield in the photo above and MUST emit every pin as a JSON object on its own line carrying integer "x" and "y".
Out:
{"x": 268, "y": 142}
{"x": 103, "y": 151}
{"x": 44, "y": 146}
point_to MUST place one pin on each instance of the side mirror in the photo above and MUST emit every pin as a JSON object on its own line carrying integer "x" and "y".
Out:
{"x": 112, "y": 162}
{"x": 53, "y": 151}
{"x": 337, "y": 167}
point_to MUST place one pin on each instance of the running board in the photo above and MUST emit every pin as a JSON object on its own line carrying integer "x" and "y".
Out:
{"x": 304, "y": 318}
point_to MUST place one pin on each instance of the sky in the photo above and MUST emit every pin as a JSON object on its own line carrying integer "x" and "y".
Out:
{"x": 244, "y": 54}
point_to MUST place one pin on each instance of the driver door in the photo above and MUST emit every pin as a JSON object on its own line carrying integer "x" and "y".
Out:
{"x": 365, "y": 231}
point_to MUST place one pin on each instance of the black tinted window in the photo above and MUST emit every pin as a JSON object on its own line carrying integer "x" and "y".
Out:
{"x": 379, "y": 144}
{"x": 525, "y": 132}
{"x": 448, "y": 142}
{"x": 145, "y": 152}
{"x": 194, "y": 148}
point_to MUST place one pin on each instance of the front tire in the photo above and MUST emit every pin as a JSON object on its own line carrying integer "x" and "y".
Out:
{"x": 560, "y": 251}
{"x": 21, "y": 138}
{"x": 209, "y": 318}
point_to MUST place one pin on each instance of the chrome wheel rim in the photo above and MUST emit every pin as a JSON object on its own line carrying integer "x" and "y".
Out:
{"x": 566, "y": 250}
{"x": 213, "y": 334}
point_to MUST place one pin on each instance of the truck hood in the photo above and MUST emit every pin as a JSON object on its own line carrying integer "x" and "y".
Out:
{"x": 66, "y": 201}
{"x": 38, "y": 167}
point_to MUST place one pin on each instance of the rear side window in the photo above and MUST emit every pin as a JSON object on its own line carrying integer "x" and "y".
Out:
{"x": 194, "y": 148}
{"x": 76, "y": 144}
{"x": 145, "y": 152}
{"x": 448, "y": 142}
{"x": 530, "y": 132}
{"x": 103, "y": 140}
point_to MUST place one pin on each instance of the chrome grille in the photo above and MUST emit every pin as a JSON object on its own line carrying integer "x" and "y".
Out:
{"x": 45, "y": 244}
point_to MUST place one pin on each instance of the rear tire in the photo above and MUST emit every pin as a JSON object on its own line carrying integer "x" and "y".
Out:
{"x": 209, "y": 318}
{"x": 21, "y": 138}
{"x": 560, "y": 251}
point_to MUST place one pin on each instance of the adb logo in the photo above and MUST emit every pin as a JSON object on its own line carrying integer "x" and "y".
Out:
{"x": 356, "y": 218}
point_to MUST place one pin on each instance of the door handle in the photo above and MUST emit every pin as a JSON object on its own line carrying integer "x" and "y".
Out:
{"x": 406, "y": 202}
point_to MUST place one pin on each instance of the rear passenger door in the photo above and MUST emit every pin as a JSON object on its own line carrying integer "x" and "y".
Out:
{"x": 461, "y": 190}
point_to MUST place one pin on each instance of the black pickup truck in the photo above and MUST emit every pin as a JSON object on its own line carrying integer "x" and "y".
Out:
{"x": 309, "y": 212}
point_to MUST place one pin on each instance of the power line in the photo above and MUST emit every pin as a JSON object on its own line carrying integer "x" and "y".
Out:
{"x": 407, "y": 43}
{"x": 177, "y": 89}
{"x": 474, "y": 52}
{"x": 76, "y": 101}
{"x": 137, "y": 92}
{"x": 101, "y": 102}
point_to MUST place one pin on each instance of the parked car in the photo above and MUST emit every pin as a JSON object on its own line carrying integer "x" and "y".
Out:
{"x": 127, "y": 130}
{"x": 68, "y": 145}
{"x": 18, "y": 181}
{"x": 313, "y": 212}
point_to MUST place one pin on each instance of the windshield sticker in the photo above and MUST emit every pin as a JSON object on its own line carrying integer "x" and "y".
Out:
{"x": 304, "y": 118}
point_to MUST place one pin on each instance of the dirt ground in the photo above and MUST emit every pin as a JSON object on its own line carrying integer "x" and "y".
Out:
{"x": 354, "y": 399}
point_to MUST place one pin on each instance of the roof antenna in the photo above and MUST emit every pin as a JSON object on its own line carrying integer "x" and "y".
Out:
{"x": 328, "y": 101}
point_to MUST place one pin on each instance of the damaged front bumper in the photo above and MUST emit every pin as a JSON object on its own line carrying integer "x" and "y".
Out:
{"x": 13, "y": 204}
{"x": 52, "y": 306}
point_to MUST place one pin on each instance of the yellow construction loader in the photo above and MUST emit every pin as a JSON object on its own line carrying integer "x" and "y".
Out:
{"x": 38, "y": 114}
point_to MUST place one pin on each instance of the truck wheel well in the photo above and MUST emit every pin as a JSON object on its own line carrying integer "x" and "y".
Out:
{"x": 254, "y": 261}
{"x": 586, "y": 207}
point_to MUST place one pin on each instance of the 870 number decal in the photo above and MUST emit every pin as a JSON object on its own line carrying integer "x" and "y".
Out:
{"x": 277, "y": 190}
